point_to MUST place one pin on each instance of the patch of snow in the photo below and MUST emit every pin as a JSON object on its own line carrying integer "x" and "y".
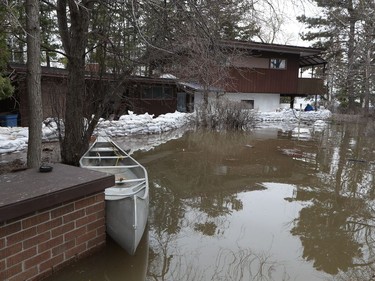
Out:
{"x": 14, "y": 139}
{"x": 168, "y": 76}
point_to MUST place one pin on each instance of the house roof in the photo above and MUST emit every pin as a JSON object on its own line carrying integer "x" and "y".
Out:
{"x": 308, "y": 56}
{"x": 197, "y": 87}
{"x": 311, "y": 61}
{"x": 63, "y": 73}
{"x": 46, "y": 71}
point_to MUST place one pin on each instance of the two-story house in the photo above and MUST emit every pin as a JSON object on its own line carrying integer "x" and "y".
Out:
{"x": 261, "y": 76}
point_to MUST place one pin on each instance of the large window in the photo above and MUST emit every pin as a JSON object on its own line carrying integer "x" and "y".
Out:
{"x": 157, "y": 93}
{"x": 277, "y": 63}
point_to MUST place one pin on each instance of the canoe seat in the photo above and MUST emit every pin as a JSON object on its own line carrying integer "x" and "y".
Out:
{"x": 105, "y": 157}
{"x": 103, "y": 149}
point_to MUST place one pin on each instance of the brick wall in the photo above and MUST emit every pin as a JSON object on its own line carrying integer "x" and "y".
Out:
{"x": 34, "y": 246}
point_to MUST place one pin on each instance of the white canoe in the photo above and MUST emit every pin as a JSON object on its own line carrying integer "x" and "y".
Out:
{"x": 127, "y": 202}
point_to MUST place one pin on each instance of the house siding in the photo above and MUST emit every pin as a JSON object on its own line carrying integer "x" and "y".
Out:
{"x": 133, "y": 99}
{"x": 265, "y": 80}
{"x": 127, "y": 94}
{"x": 262, "y": 102}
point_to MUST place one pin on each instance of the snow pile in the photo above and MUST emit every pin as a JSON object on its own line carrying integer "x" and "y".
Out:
{"x": 16, "y": 138}
{"x": 319, "y": 125}
{"x": 291, "y": 115}
{"x": 13, "y": 139}
{"x": 306, "y": 133}
{"x": 133, "y": 124}
{"x": 50, "y": 130}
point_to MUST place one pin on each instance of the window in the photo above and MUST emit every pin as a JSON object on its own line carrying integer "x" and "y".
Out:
{"x": 157, "y": 93}
{"x": 147, "y": 93}
{"x": 278, "y": 63}
{"x": 249, "y": 104}
{"x": 168, "y": 93}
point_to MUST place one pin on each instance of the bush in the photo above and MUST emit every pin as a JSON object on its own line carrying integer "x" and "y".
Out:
{"x": 223, "y": 114}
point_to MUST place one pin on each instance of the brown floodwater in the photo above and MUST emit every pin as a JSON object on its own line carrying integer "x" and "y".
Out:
{"x": 269, "y": 204}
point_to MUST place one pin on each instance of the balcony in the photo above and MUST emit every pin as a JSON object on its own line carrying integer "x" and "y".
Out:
{"x": 311, "y": 86}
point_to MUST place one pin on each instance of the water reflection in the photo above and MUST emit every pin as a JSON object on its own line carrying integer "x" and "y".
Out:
{"x": 262, "y": 205}
{"x": 111, "y": 264}
{"x": 336, "y": 230}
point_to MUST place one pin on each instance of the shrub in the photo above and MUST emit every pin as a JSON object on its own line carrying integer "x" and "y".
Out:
{"x": 222, "y": 114}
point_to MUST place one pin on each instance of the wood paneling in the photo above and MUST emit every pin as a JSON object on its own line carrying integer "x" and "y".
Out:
{"x": 311, "y": 86}
{"x": 261, "y": 80}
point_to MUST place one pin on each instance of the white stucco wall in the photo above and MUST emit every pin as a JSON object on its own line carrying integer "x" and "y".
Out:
{"x": 262, "y": 102}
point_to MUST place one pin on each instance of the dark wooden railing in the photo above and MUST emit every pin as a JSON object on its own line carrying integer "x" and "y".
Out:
{"x": 311, "y": 86}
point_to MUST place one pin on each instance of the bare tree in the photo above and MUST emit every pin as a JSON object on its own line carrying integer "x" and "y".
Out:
{"x": 34, "y": 84}
{"x": 189, "y": 45}
{"x": 119, "y": 36}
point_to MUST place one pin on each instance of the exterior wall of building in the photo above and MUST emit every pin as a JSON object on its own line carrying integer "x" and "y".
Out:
{"x": 118, "y": 97}
{"x": 34, "y": 246}
{"x": 53, "y": 98}
{"x": 261, "y": 102}
{"x": 257, "y": 78}
{"x": 149, "y": 97}
{"x": 255, "y": 82}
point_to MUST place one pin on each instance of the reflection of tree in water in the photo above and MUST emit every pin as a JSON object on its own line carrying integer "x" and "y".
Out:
{"x": 166, "y": 262}
{"x": 337, "y": 234}
{"x": 336, "y": 230}
{"x": 186, "y": 194}
{"x": 326, "y": 241}
{"x": 210, "y": 212}
{"x": 361, "y": 273}
{"x": 169, "y": 224}
{"x": 185, "y": 178}
{"x": 244, "y": 264}
{"x": 166, "y": 210}
{"x": 208, "y": 228}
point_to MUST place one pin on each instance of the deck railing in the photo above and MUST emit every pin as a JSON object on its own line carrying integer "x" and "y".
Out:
{"x": 311, "y": 86}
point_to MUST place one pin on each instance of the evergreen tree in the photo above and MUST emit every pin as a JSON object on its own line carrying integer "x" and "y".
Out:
{"x": 49, "y": 33}
{"x": 16, "y": 37}
{"x": 341, "y": 29}
{"x": 6, "y": 89}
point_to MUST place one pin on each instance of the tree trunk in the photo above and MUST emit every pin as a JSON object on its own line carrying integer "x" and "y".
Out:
{"x": 73, "y": 141}
{"x": 34, "y": 152}
{"x": 351, "y": 59}
{"x": 74, "y": 39}
{"x": 368, "y": 66}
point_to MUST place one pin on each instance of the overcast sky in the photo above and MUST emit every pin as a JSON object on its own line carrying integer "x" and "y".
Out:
{"x": 292, "y": 28}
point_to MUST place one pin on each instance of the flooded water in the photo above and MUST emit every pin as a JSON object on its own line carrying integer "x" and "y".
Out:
{"x": 262, "y": 205}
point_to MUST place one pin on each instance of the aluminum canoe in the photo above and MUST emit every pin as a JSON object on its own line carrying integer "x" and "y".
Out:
{"x": 127, "y": 202}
